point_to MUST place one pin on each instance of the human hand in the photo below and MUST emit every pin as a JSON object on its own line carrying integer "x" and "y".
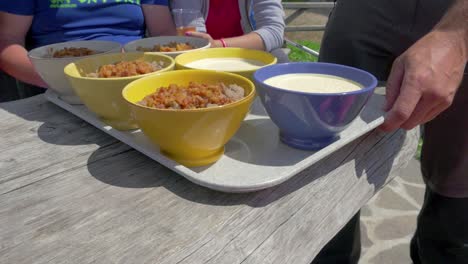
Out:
{"x": 214, "y": 43}
{"x": 423, "y": 80}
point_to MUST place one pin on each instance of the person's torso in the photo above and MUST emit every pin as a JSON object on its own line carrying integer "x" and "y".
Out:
{"x": 64, "y": 20}
{"x": 224, "y": 19}
{"x": 412, "y": 17}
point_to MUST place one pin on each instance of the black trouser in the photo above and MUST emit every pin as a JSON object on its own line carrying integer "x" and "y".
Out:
{"x": 11, "y": 89}
{"x": 345, "y": 247}
{"x": 370, "y": 34}
{"x": 442, "y": 232}
{"x": 441, "y": 236}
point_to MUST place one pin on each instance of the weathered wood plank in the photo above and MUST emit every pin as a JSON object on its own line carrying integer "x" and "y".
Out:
{"x": 357, "y": 188}
{"x": 125, "y": 204}
{"x": 40, "y": 139}
{"x": 320, "y": 187}
{"x": 97, "y": 201}
{"x": 126, "y": 208}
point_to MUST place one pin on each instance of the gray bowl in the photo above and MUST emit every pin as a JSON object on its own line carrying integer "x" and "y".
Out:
{"x": 51, "y": 69}
{"x": 198, "y": 43}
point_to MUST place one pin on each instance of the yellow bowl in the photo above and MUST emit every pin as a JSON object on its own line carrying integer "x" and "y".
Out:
{"x": 194, "y": 137}
{"x": 263, "y": 57}
{"x": 103, "y": 96}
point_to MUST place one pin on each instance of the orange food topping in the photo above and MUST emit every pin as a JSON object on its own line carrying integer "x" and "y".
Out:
{"x": 172, "y": 46}
{"x": 195, "y": 95}
{"x": 73, "y": 52}
{"x": 126, "y": 68}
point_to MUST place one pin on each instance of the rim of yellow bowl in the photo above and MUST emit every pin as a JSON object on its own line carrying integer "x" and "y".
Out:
{"x": 181, "y": 56}
{"x": 205, "y": 109}
{"x": 171, "y": 65}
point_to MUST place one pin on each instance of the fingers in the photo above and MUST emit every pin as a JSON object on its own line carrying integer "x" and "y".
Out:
{"x": 194, "y": 33}
{"x": 198, "y": 34}
{"x": 423, "y": 109}
{"x": 414, "y": 107}
{"x": 394, "y": 82}
{"x": 434, "y": 112}
{"x": 404, "y": 104}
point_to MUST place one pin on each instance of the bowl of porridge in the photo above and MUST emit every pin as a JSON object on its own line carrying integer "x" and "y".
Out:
{"x": 49, "y": 61}
{"x": 234, "y": 60}
{"x": 168, "y": 45}
{"x": 190, "y": 114}
{"x": 98, "y": 81}
{"x": 311, "y": 103}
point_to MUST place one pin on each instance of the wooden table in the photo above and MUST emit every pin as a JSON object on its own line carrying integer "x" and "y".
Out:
{"x": 72, "y": 194}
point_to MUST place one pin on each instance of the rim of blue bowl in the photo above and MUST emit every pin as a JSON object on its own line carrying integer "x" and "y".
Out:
{"x": 363, "y": 90}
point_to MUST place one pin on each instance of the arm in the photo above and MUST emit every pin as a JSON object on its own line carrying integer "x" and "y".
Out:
{"x": 249, "y": 41}
{"x": 425, "y": 78}
{"x": 13, "y": 56}
{"x": 269, "y": 33}
{"x": 269, "y": 18}
{"x": 158, "y": 20}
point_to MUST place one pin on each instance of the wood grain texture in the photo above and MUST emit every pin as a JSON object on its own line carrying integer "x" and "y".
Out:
{"x": 98, "y": 201}
{"x": 35, "y": 136}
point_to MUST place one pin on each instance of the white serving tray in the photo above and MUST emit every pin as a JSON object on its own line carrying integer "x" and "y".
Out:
{"x": 254, "y": 159}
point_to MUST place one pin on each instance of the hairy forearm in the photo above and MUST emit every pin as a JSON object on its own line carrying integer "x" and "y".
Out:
{"x": 455, "y": 23}
{"x": 249, "y": 41}
{"x": 14, "y": 61}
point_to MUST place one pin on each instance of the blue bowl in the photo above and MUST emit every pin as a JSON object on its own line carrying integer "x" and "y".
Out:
{"x": 311, "y": 121}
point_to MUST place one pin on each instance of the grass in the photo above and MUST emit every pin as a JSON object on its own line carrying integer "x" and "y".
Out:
{"x": 299, "y": 55}
{"x": 418, "y": 152}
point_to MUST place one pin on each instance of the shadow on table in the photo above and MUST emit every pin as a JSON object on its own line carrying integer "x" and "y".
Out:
{"x": 380, "y": 157}
{"x": 30, "y": 109}
{"x": 56, "y": 126}
{"x": 130, "y": 169}
{"x": 250, "y": 145}
{"x": 257, "y": 108}
{"x": 257, "y": 142}
{"x": 376, "y": 102}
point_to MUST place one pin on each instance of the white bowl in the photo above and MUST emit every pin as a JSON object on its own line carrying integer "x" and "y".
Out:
{"x": 51, "y": 69}
{"x": 198, "y": 43}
